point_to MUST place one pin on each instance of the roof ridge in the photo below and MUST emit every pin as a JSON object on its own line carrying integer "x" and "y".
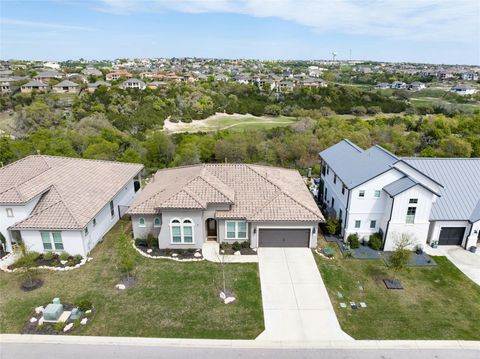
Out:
{"x": 387, "y": 152}
{"x": 63, "y": 202}
{"x": 214, "y": 187}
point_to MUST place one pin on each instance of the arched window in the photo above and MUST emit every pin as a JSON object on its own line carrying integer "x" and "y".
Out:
{"x": 156, "y": 222}
{"x": 181, "y": 231}
{"x": 141, "y": 222}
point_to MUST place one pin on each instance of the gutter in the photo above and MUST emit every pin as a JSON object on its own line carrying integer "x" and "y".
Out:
{"x": 346, "y": 209}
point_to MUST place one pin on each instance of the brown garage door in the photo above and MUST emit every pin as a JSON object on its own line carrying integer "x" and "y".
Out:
{"x": 273, "y": 237}
{"x": 452, "y": 236}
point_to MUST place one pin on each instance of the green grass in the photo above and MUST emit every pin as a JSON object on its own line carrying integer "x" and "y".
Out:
{"x": 170, "y": 299}
{"x": 436, "y": 303}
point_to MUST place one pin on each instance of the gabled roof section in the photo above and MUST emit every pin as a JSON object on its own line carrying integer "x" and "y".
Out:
{"x": 355, "y": 166}
{"x": 253, "y": 192}
{"x": 78, "y": 188}
{"x": 460, "y": 177}
{"x": 399, "y": 186}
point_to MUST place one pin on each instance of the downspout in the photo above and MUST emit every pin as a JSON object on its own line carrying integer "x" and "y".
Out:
{"x": 346, "y": 210}
{"x": 388, "y": 223}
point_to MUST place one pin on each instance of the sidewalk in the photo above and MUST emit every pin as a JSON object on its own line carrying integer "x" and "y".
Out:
{"x": 210, "y": 252}
{"x": 219, "y": 343}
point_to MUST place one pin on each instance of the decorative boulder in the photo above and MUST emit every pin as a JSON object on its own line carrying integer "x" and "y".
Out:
{"x": 197, "y": 254}
{"x": 33, "y": 320}
{"x": 222, "y": 296}
{"x": 149, "y": 250}
{"x": 229, "y": 300}
{"x": 120, "y": 286}
{"x": 84, "y": 321}
{"x": 40, "y": 321}
{"x": 39, "y": 309}
{"x": 68, "y": 327}
{"x": 237, "y": 253}
{"x": 88, "y": 311}
{"x": 174, "y": 254}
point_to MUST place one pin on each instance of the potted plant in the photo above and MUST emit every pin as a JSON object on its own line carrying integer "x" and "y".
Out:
{"x": 419, "y": 249}
{"x": 434, "y": 244}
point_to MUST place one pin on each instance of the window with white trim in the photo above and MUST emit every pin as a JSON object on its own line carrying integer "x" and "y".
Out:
{"x": 112, "y": 209}
{"x": 181, "y": 231}
{"x": 9, "y": 212}
{"x": 358, "y": 223}
{"x": 411, "y": 211}
{"x": 413, "y": 200}
{"x": 236, "y": 229}
{"x": 361, "y": 193}
{"x": 52, "y": 240}
{"x": 373, "y": 224}
{"x": 156, "y": 222}
{"x": 141, "y": 222}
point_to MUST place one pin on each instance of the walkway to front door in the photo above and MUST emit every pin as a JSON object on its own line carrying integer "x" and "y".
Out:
{"x": 296, "y": 305}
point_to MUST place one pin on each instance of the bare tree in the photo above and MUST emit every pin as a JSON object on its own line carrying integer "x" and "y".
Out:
{"x": 400, "y": 257}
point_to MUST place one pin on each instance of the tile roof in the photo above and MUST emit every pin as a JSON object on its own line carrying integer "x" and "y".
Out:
{"x": 72, "y": 190}
{"x": 254, "y": 193}
{"x": 66, "y": 83}
{"x": 460, "y": 197}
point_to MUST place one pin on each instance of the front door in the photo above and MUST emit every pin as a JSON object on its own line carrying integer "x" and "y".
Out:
{"x": 211, "y": 227}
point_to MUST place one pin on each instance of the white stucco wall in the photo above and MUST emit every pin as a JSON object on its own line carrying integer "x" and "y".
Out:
{"x": 149, "y": 226}
{"x": 474, "y": 236}
{"x": 20, "y": 212}
{"x": 196, "y": 216}
{"x": 72, "y": 242}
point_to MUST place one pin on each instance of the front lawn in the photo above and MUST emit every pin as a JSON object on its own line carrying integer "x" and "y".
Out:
{"x": 437, "y": 302}
{"x": 170, "y": 299}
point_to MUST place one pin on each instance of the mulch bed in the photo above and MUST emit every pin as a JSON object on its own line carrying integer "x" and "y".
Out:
{"x": 28, "y": 286}
{"x": 49, "y": 328}
{"x": 56, "y": 262}
{"x": 180, "y": 253}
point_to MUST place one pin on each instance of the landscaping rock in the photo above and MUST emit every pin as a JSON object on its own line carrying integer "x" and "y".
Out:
{"x": 63, "y": 262}
{"x": 174, "y": 255}
{"x": 223, "y": 296}
{"x": 84, "y": 321}
{"x": 88, "y": 311}
{"x": 237, "y": 253}
{"x": 89, "y": 259}
{"x": 197, "y": 254}
{"x": 39, "y": 309}
{"x": 68, "y": 327}
{"x": 363, "y": 305}
{"x": 149, "y": 250}
{"x": 120, "y": 286}
{"x": 343, "y": 305}
{"x": 229, "y": 300}
{"x": 40, "y": 321}
{"x": 33, "y": 320}
{"x": 254, "y": 249}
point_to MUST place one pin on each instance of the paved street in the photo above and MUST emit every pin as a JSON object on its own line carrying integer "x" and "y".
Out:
{"x": 49, "y": 351}
{"x": 296, "y": 305}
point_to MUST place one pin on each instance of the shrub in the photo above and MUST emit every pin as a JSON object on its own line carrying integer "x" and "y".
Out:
{"x": 27, "y": 260}
{"x": 83, "y": 304}
{"x": 77, "y": 258}
{"x": 375, "y": 241}
{"x": 152, "y": 241}
{"x": 64, "y": 256}
{"x": 236, "y": 246}
{"x": 331, "y": 225}
{"x": 353, "y": 240}
{"x": 48, "y": 256}
{"x": 58, "y": 327}
{"x": 141, "y": 242}
{"x": 70, "y": 263}
{"x": 245, "y": 244}
{"x": 224, "y": 245}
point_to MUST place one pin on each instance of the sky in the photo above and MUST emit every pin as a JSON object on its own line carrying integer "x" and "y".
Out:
{"x": 430, "y": 31}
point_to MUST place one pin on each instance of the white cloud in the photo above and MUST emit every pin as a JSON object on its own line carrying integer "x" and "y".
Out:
{"x": 430, "y": 20}
{"x": 43, "y": 25}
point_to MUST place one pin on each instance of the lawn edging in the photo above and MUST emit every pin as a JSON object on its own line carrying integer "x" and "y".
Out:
{"x": 59, "y": 269}
{"x": 146, "y": 255}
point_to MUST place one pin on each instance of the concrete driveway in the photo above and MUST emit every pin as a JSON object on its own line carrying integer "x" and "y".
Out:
{"x": 467, "y": 262}
{"x": 296, "y": 305}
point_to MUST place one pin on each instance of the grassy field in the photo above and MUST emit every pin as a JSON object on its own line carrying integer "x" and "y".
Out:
{"x": 170, "y": 299}
{"x": 233, "y": 122}
{"x": 437, "y": 303}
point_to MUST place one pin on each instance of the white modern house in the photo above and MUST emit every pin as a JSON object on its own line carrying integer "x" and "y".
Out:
{"x": 186, "y": 206}
{"x": 433, "y": 200}
{"x": 63, "y": 204}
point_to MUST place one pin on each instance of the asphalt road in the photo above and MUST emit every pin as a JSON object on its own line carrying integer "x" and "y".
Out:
{"x": 53, "y": 351}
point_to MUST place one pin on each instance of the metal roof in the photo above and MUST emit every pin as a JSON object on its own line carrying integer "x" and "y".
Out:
{"x": 460, "y": 197}
{"x": 399, "y": 186}
{"x": 354, "y": 165}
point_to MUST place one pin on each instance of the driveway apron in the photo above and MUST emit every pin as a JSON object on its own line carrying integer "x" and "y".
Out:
{"x": 296, "y": 305}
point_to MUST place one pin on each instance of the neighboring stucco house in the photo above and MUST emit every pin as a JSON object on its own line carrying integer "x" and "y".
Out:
{"x": 66, "y": 86}
{"x": 94, "y": 86}
{"x": 63, "y": 204}
{"x": 463, "y": 90}
{"x": 186, "y": 206}
{"x": 430, "y": 199}
{"x": 133, "y": 84}
{"x": 34, "y": 85}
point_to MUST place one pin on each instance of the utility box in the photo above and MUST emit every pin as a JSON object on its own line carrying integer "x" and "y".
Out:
{"x": 52, "y": 312}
